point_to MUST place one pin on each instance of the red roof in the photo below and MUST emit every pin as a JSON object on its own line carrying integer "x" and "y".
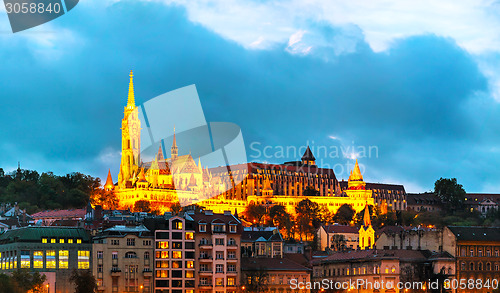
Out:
{"x": 73, "y": 213}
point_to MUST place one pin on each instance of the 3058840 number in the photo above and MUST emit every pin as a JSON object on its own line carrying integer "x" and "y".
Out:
{"x": 33, "y": 8}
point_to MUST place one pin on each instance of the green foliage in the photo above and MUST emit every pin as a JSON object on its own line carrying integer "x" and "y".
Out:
{"x": 310, "y": 191}
{"x": 22, "y": 281}
{"x": 84, "y": 281}
{"x": 282, "y": 219}
{"x": 256, "y": 281}
{"x": 142, "y": 206}
{"x": 254, "y": 213}
{"x": 308, "y": 217}
{"x": 344, "y": 215}
{"x": 35, "y": 192}
{"x": 451, "y": 193}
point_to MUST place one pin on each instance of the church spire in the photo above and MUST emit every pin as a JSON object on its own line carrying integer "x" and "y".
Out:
{"x": 173, "y": 149}
{"x": 109, "y": 182}
{"x": 131, "y": 98}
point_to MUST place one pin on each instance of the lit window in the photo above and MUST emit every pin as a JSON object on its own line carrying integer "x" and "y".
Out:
{"x": 189, "y": 274}
{"x": 231, "y": 282}
{"x": 189, "y": 236}
{"x": 178, "y": 225}
{"x": 38, "y": 259}
{"x": 162, "y": 264}
{"x": 50, "y": 262}
{"x": 70, "y": 240}
{"x": 52, "y": 240}
{"x": 63, "y": 259}
{"x": 162, "y": 254}
{"x": 79, "y": 240}
{"x": 162, "y": 244}
{"x": 189, "y": 264}
{"x": 25, "y": 259}
{"x": 162, "y": 273}
{"x": 83, "y": 259}
{"x": 176, "y": 254}
{"x": 44, "y": 240}
{"x": 61, "y": 240}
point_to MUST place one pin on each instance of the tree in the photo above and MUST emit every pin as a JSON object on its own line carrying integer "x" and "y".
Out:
{"x": 451, "y": 194}
{"x": 256, "y": 281}
{"x": 310, "y": 191}
{"x": 84, "y": 281}
{"x": 307, "y": 217}
{"x": 254, "y": 213}
{"x": 25, "y": 281}
{"x": 6, "y": 285}
{"x": 142, "y": 206}
{"x": 176, "y": 208}
{"x": 344, "y": 214}
{"x": 282, "y": 219}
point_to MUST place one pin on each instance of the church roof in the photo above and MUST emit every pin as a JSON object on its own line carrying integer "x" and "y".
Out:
{"x": 109, "y": 181}
{"x": 356, "y": 173}
{"x": 308, "y": 155}
{"x": 366, "y": 217}
{"x": 131, "y": 98}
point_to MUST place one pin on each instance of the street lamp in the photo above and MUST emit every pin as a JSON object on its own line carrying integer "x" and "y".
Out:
{"x": 48, "y": 288}
{"x": 142, "y": 288}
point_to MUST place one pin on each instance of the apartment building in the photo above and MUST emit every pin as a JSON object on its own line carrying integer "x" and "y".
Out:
{"x": 174, "y": 254}
{"x": 122, "y": 259}
{"x": 218, "y": 238}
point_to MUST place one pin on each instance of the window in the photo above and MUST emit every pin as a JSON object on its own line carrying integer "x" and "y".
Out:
{"x": 44, "y": 240}
{"x": 115, "y": 242}
{"x": 189, "y": 236}
{"x": 100, "y": 254}
{"x": 231, "y": 241}
{"x": 146, "y": 255}
{"x": 52, "y": 240}
{"x": 231, "y": 281}
{"x": 219, "y": 282}
{"x": 79, "y": 240}
{"x": 176, "y": 254}
{"x": 63, "y": 259}
{"x": 231, "y": 255}
{"x": 176, "y": 264}
{"x": 130, "y": 241}
{"x": 218, "y": 228}
{"x": 162, "y": 273}
{"x": 114, "y": 255}
{"x": 38, "y": 259}
{"x": 162, "y": 254}
{"x": 146, "y": 242}
{"x": 219, "y": 241}
{"x": 232, "y": 228}
{"x": 130, "y": 254}
{"x": 219, "y": 268}
{"x": 61, "y": 240}
{"x": 203, "y": 227}
{"x": 219, "y": 255}
{"x": 83, "y": 259}
{"x": 162, "y": 244}
{"x": 162, "y": 264}
{"x": 189, "y": 264}
{"x": 471, "y": 252}
{"x": 70, "y": 240}
{"x": 177, "y": 245}
{"x": 25, "y": 259}
{"x": 231, "y": 268}
{"x": 189, "y": 274}
{"x": 471, "y": 266}
{"x": 50, "y": 262}
{"x": 177, "y": 225}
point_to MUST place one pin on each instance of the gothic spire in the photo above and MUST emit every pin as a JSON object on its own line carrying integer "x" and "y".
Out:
{"x": 366, "y": 217}
{"x": 173, "y": 149}
{"x": 131, "y": 98}
{"x": 109, "y": 182}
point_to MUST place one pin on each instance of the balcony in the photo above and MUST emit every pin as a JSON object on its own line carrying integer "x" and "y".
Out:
{"x": 232, "y": 272}
{"x": 206, "y": 285}
{"x": 116, "y": 272}
{"x": 147, "y": 272}
{"x": 205, "y": 245}
{"x": 205, "y": 272}
{"x": 232, "y": 259}
{"x": 205, "y": 258}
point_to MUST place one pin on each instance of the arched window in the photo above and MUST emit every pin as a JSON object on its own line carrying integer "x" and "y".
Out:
{"x": 480, "y": 266}
{"x": 488, "y": 266}
{"x": 471, "y": 266}
{"x": 450, "y": 271}
{"x": 130, "y": 254}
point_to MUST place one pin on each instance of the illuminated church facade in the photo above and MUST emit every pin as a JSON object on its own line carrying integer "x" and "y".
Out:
{"x": 165, "y": 181}
{"x": 162, "y": 181}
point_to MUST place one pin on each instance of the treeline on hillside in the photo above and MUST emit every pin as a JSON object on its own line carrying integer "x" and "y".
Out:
{"x": 35, "y": 192}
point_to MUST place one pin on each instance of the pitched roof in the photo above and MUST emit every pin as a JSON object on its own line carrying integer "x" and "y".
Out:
{"x": 271, "y": 264}
{"x": 341, "y": 229}
{"x": 252, "y": 236}
{"x": 35, "y": 233}
{"x": 476, "y": 233}
{"x": 308, "y": 155}
{"x": 73, "y": 213}
{"x": 373, "y": 254}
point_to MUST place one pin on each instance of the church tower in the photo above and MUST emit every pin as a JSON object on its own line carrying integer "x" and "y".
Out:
{"x": 366, "y": 232}
{"x": 173, "y": 149}
{"x": 131, "y": 139}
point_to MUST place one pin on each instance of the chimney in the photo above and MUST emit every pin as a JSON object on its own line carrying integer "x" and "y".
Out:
{"x": 209, "y": 212}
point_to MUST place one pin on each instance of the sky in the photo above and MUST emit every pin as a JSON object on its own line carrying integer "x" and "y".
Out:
{"x": 409, "y": 88}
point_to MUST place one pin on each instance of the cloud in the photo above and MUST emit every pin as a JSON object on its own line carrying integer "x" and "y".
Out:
{"x": 423, "y": 101}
